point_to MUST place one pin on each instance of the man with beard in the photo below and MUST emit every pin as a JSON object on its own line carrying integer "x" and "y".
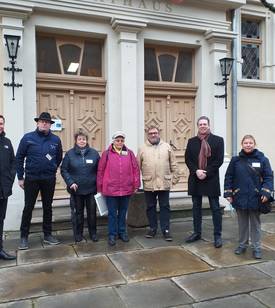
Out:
{"x": 159, "y": 172}
{"x": 204, "y": 156}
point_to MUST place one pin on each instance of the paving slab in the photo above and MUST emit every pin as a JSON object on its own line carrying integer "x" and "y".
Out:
{"x": 267, "y": 268}
{"x": 6, "y": 263}
{"x": 159, "y": 241}
{"x": 49, "y": 253}
{"x": 20, "y": 304}
{"x": 65, "y": 236}
{"x": 224, "y": 257}
{"x": 157, "y": 294}
{"x": 224, "y": 282}
{"x": 266, "y": 296}
{"x": 56, "y": 277}
{"x": 268, "y": 240}
{"x": 268, "y": 227}
{"x": 157, "y": 263}
{"x": 99, "y": 298}
{"x": 243, "y": 301}
{"x": 102, "y": 247}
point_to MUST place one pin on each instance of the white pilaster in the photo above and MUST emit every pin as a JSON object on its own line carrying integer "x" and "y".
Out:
{"x": 14, "y": 113}
{"x": 128, "y": 75}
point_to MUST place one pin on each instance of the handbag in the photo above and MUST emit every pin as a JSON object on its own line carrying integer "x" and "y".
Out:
{"x": 264, "y": 207}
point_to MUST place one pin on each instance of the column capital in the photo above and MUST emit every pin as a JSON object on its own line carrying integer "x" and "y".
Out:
{"x": 216, "y": 36}
{"x": 128, "y": 25}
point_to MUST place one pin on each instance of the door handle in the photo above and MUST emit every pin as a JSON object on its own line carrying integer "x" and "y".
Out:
{"x": 173, "y": 146}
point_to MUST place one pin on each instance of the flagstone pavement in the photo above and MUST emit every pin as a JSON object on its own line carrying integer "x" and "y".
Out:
{"x": 141, "y": 273}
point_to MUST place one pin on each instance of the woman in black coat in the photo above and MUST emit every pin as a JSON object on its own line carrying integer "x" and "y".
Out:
{"x": 79, "y": 169}
{"x": 248, "y": 182}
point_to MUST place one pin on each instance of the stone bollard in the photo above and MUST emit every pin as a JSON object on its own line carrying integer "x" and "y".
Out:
{"x": 137, "y": 211}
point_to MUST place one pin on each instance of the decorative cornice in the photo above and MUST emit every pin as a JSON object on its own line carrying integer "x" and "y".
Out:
{"x": 214, "y": 36}
{"x": 256, "y": 84}
{"x": 128, "y": 25}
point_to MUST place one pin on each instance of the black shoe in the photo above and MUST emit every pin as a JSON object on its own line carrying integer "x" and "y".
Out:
{"x": 218, "y": 242}
{"x": 112, "y": 241}
{"x": 5, "y": 256}
{"x": 49, "y": 239}
{"x": 124, "y": 237}
{"x": 24, "y": 244}
{"x": 239, "y": 250}
{"x": 193, "y": 238}
{"x": 94, "y": 238}
{"x": 151, "y": 233}
{"x": 257, "y": 254}
{"x": 167, "y": 236}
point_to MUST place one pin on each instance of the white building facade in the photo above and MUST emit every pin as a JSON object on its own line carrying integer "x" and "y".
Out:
{"x": 104, "y": 65}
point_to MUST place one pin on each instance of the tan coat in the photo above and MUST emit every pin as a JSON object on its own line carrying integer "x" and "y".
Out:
{"x": 158, "y": 166}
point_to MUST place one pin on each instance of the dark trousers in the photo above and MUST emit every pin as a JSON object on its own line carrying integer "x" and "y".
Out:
{"x": 78, "y": 204}
{"x": 3, "y": 209}
{"x": 216, "y": 214}
{"x": 117, "y": 210}
{"x": 151, "y": 198}
{"x": 31, "y": 189}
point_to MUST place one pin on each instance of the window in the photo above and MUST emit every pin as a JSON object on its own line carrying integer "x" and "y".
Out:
{"x": 251, "y": 48}
{"x": 168, "y": 65}
{"x": 69, "y": 56}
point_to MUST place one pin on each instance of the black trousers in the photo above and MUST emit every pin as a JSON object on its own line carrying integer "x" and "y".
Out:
{"x": 78, "y": 204}
{"x": 151, "y": 198}
{"x": 3, "y": 209}
{"x": 31, "y": 189}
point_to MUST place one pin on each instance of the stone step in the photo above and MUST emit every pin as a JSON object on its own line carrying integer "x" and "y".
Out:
{"x": 180, "y": 204}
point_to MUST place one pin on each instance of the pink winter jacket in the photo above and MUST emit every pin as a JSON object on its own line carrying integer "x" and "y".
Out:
{"x": 118, "y": 174}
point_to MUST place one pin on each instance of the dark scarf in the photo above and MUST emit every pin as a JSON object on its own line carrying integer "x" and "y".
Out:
{"x": 205, "y": 150}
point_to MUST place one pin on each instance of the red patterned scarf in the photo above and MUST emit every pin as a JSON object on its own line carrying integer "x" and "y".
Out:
{"x": 205, "y": 150}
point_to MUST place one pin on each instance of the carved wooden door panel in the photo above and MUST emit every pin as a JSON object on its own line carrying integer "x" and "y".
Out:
{"x": 88, "y": 114}
{"x": 174, "y": 116}
{"x": 76, "y": 110}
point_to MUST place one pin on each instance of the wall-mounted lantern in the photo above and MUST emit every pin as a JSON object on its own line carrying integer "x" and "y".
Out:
{"x": 12, "y": 43}
{"x": 226, "y": 67}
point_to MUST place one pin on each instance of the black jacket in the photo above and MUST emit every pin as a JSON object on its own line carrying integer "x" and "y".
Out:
{"x": 7, "y": 166}
{"x": 210, "y": 186}
{"x": 80, "y": 168}
{"x": 244, "y": 184}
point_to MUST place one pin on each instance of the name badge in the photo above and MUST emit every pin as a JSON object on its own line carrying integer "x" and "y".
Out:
{"x": 6, "y": 146}
{"x": 256, "y": 165}
{"x": 48, "y": 156}
{"x": 124, "y": 153}
{"x": 89, "y": 161}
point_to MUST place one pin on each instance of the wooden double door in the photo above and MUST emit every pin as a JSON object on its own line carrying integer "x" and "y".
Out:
{"x": 76, "y": 110}
{"x": 173, "y": 114}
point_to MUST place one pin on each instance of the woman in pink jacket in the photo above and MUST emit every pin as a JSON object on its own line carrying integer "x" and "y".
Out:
{"x": 118, "y": 177}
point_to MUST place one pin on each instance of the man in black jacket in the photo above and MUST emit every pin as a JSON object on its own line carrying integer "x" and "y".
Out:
{"x": 7, "y": 174}
{"x": 204, "y": 156}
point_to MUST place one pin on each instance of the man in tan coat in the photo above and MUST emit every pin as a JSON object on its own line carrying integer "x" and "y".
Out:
{"x": 159, "y": 172}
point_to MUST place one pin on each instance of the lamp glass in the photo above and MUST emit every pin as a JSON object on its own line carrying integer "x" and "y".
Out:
{"x": 12, "y": 43}
{"x": 226, "y": 66}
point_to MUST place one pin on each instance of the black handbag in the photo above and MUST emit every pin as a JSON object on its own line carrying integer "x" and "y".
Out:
{"x": 264, "y": 207}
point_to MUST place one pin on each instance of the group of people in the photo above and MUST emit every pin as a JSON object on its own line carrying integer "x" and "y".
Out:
{"x": 116, "y": 174}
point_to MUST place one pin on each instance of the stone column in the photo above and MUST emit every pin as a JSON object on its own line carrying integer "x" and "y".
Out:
{"x": 13, "y": 110}
{"x": 128, "y": 78}
{"x": 218, "y": 48}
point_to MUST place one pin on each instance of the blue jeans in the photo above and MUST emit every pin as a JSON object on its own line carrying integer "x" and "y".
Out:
{"x": 117, "y": 209}
{"x": 216, "y": 214}
{"x": 164, "y": 208}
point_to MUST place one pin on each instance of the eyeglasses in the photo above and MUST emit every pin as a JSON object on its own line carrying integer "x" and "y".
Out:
{"x": 155, "y": 133}
{"x": 119, "y": 140}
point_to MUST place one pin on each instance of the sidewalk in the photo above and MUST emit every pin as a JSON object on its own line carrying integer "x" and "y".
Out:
{"x": 141, "y": 273}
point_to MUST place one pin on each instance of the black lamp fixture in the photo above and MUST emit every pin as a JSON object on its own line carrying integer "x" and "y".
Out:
{"x": 12, "y": 43}
{"x": 226, "y": 67}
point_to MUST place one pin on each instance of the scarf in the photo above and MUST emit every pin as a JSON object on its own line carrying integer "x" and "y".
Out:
{"x": 205, "y": 150}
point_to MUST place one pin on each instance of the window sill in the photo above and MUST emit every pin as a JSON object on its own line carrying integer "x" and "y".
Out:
{"x": 256, "y": 83}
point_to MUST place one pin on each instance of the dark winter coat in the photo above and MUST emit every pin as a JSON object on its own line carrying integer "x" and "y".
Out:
{"x": 7, "y": 166}
{"x": 43, "y": 154}
{"x": 210, "y": 186}
{"x": 243, "y": 184}
{"x": 81, "y": 169}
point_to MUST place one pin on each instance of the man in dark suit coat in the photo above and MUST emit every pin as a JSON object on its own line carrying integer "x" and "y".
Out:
{"x": 204, "y": 156}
